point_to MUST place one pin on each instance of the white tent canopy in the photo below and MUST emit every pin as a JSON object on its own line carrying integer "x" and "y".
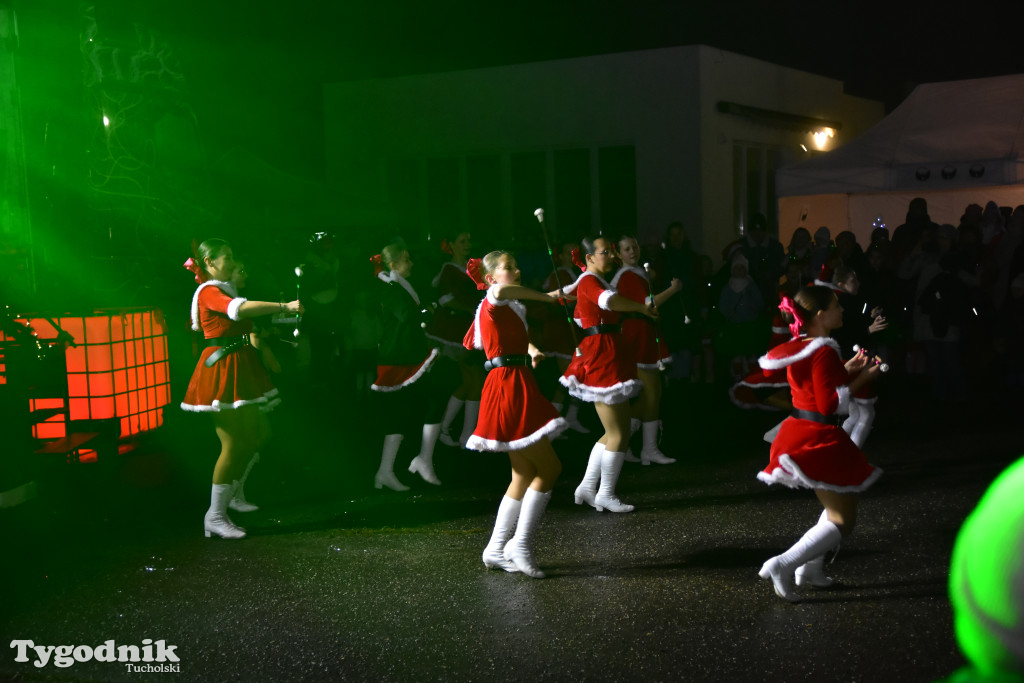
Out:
{"x": 953, "y": 143}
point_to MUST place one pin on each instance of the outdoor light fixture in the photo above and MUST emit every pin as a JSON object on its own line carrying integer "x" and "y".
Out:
{"x": 922, "y": 173}
{"x": 948, "y": 172}
{"x": 821, "y": 137}
{"x": 977, "y": 171}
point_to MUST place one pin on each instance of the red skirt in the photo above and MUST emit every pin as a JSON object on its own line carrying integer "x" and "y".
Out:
{"x": 395, "y": 377}
{"x": 238, "y": 379}
{"x": 604, "y": 373}
{"x": 648, "y": 348}
{"x": 751, "y": 391}
{"x": 808, "y": 454}
{"x": 514, "y": 413}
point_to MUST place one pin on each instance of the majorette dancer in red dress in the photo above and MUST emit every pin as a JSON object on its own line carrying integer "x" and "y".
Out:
{"x": 812, "y": 450}
{"x": 238, "y": 501}
{"x": 604, "y": 373}
{"x": 457, "y": 301}
{"x": 403, "y": 359}
{"x": 515, "y": 417}
{"x": 229, "y": 381}
{"x": 749, "y": 392}
{"x": 858, "y": 326}
{"x": 556, "y": 337}
{"x": 651, "y": 353}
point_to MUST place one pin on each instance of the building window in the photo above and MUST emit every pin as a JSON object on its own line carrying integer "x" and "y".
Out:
{"x": 753, "y": 179}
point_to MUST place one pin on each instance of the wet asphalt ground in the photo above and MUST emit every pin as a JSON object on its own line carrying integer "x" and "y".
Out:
{"x": 338, "y": 581}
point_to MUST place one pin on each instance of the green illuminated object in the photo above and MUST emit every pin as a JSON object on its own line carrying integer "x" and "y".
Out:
{"x": 986, "y": 583}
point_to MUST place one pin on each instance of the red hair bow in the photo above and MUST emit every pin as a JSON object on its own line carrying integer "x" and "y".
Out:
{"x": 193, "y": 265}
{"x": 446, "y": 247}
{"x": 378, "y": 264}
{"x": 475, "y": 270}
{"x": 578, "y": 260}
{"x": 789, "y": 306}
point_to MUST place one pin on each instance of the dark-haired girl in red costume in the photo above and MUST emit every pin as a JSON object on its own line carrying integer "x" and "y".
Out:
{"x": 229, "y": 381}
{"x": 604, "y": 373}
{"x": 812, "y": 450}
{"x": 650, "y": 351}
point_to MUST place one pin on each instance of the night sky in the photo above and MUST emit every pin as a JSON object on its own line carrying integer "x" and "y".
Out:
{"x": 248, "y": 77}
{"x": 237, "y": 54}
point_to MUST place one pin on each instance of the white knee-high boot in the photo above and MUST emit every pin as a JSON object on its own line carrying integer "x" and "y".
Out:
{"x": 518, "y": 550}
{"x": 238, "y": 501}
{"x": 504, "y": 524}
{"x": 851, "y": 421}
{"x": 865, "y": 421}
{"x": 611, "y": 466}
{"x": 781, "y": 569}
{"x": 587, "y": 489}
{"x": 469, "y": 424}
{"x": 651, "y": 452}
{"x": 217, "y": 522}
{"x": 812, "y": 572}
{"x": 454, "y": 406}
{"x": 572, "y": 416}
{"x": 423, "y": 464}
{"x": 386, "y": 472}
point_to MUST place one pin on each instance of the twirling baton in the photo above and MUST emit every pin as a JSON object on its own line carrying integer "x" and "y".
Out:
{"x": 650, "y": 293}
{"x": 298, "y": 286}
{"x": 539, "y": 213}
{"x": 882, "y": 367}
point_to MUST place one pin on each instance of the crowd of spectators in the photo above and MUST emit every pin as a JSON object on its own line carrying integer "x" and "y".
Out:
{"x": 953, "y": 296}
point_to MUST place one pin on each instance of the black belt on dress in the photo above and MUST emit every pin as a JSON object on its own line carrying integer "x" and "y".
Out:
{"x": 225, "y": 345}
{"x": 602, "y": 329}
{"x": 816, "y": 417}
{"x": 504, "y": 361}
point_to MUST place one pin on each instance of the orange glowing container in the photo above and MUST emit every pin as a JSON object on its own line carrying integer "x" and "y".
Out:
{"x": 117, "y": 370}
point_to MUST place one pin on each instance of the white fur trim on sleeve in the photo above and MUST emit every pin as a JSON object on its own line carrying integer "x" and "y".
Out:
{"x": 807, "y": 351}
{"x": 233, "y": 307}
{"x": 602, "y": 300}
{"x": 844, "y": 400}
{"x": 478, "y": 340}
{"x": 225, "y": 287}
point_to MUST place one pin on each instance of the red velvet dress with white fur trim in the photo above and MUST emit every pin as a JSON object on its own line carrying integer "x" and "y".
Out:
{"x": 808, "y": 454}
{"x": 606, "y": 371}
{"x": 638, "y": 332}
{"x": 514, "y": 413}
{"x": 750, "y": 391}
{"x": 238, "y": 378}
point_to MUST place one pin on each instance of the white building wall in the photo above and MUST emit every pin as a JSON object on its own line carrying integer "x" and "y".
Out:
{"x": 661, "y": 101}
